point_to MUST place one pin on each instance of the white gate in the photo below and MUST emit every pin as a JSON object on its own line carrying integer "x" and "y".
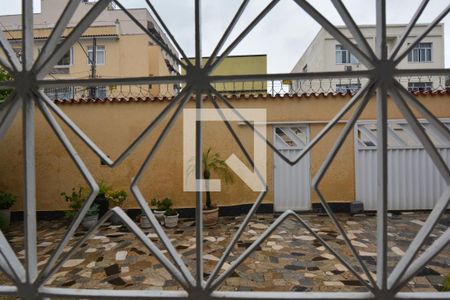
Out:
{"x": 413, "y": 180}
{"x": 291, "y": 183}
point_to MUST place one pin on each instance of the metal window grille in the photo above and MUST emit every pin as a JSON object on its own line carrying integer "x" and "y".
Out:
{"x": 381, "y": 73}
{"x": 421, "y": 53}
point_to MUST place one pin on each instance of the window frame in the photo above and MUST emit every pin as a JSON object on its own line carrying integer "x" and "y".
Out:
{"x": 349, "y": 57}
{"x": 89, "y": 50}
{"x": 417, "y": 51}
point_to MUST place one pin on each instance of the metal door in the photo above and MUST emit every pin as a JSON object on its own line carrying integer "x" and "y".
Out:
{"x": 413, "y": 180}
{"x": 291, "y": 183}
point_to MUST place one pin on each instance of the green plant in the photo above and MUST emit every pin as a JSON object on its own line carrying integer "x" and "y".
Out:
{"x": 103, "y": 188}
{"x": 446, "y": 284}
{"x": 4, "y": 76}
{"x": 7, "y": 200}
{"x": 171, "y": 212}
{"x": 163, "y": 204}
{"x": 75, "y": 199}
{"x": 92, "y": 211}
{"x": 116, "y": 198}
{"x": 213, "y": 163}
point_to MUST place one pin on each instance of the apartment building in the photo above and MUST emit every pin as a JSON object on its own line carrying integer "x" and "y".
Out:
{"x": 325, "y": 53}
{"x": 122, "y": 49}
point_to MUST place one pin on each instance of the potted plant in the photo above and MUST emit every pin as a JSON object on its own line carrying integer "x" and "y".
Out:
{"x": 91, "y": 218}
{"x": 160, "y": 207}
{"x": 6, "y": 201}
{"x": 101, "y": 200}
{"x": 76, "y": 199}
{"x": 171, "y": 218}
{"x": 213, "y": 163}
{"x": 116, "y": 198}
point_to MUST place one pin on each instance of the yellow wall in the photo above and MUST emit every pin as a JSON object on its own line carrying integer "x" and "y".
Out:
{"x": 113, "y": 126}
{"x": 240, "y": 65}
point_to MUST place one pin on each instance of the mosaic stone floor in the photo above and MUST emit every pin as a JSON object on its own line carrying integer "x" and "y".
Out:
{"x": 289, "y": 260}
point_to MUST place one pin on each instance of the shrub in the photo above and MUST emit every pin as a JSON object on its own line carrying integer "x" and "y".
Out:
{"x": 75, "y": 199}
{"x": 163, "y": 204}
{"x": 170, "y": 212}
{"x": 7, "y": 200}
{"x": 116, "y": 198}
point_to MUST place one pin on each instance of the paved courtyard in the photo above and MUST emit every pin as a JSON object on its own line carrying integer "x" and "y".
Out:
{"x": 289, "y": 260}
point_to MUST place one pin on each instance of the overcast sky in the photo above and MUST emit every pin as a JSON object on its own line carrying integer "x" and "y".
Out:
{"x": 283, "y": 35}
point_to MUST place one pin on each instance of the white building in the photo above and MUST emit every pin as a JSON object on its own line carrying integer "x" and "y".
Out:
{"x": 326, "y": 54}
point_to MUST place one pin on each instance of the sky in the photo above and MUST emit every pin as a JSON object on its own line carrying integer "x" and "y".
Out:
{"x": 283, "y": 34}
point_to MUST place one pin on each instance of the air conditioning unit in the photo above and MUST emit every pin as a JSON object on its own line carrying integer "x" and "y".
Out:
{"x": 348, "y": 68}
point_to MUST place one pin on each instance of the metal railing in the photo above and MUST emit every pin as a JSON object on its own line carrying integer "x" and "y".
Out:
{"x": 430, "y": 83}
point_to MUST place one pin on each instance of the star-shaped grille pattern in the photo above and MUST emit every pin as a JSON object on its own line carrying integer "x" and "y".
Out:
{"x": 28, "y": 77}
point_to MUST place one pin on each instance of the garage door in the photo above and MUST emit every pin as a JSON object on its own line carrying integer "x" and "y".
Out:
{"x": 291, "y": 183}
{"x": 413, "y": 180}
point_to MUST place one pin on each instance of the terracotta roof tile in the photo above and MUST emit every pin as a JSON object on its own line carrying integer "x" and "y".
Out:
{"x": 234, "y": 97}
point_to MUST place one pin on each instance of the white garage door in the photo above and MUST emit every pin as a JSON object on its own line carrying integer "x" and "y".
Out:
{"x": 291, "y": 183}
{"x": 413, "y": 180}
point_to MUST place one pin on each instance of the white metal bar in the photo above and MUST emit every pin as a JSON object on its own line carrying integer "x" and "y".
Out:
{"x": 164, "y": 26}
{"x": 73, "y": 37}
{"x": 198, "y": 150}
{"x": 438, "y": 125}
{"x": 151, "y": 35}
{"x": 9, "y": 111}
{"x": 57, "y": 32}
{"x": 27, "y": 34}
{"x": 142, "y": 202}
{"x": 29, "y": 164}
{"x": 323, "y": 169}
{"x": 11, "y": 259}
{"x": 412, "y": 23}
{"x": 227, "y": 33}
{"x": 336, "y": 33}
{"x": 437, "y": 211}
{"x": 353, "y": 28}
{"x": 430, "y": 27}
{"x": 49, "y": 268}
{"x": 9, "y": 52}
{"x": 243, "y": 34}
{"x": 434, "y": 249}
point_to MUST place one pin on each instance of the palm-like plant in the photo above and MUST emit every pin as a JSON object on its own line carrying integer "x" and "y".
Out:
{"x": 213, "y": 163}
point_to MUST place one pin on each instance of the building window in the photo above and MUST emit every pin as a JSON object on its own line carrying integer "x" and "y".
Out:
{"x": 19, "y": 53}
{"x": 420, "y": 86}
{"x": 343, "y": 56}
{"x": 100, "y": 55}
{"x": 348, "y": 88}
{"x": 420, "y": 53}
{"x": 64, "y": 93}
{"x": 66, "y": 60}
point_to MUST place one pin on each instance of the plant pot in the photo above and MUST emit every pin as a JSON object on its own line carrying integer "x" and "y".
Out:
{"x": 171, "y": 221}
{"x": 115, "y": 220}
{"x": 145, "y": 222}
{"x": 5, "y": 217}
{"x": 89, "y": 221}
{"x": 159, "y": 215}
{"x": 210, "y": 216}
{"x": 103, "y": 205}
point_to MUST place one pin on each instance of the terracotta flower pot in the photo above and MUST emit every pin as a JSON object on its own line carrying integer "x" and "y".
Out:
{"x": 211, "y": 216}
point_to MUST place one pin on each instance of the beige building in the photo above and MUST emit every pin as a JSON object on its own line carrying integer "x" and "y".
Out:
{"x": 325, "y": 54}
{"x": 122, "y": 49}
